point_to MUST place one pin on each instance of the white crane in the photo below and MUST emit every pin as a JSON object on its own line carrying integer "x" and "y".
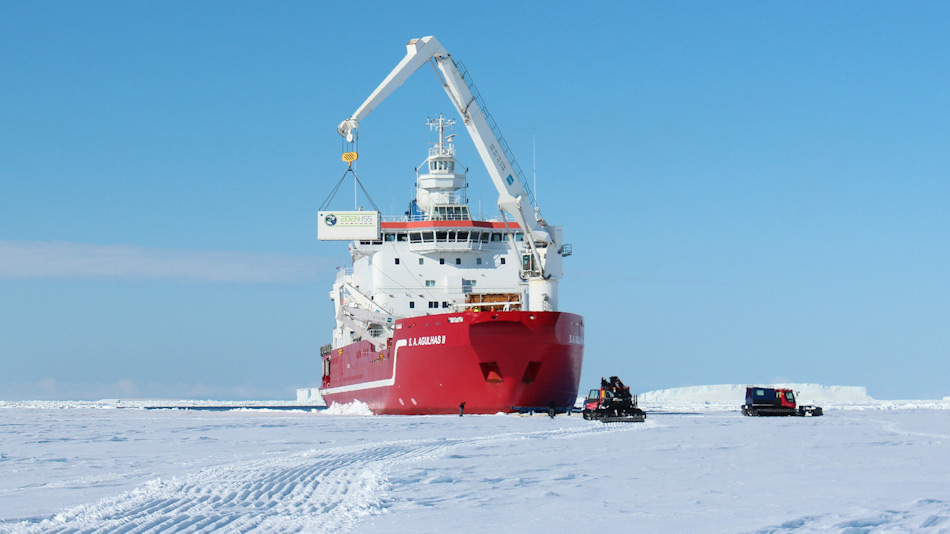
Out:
{"x": 542, "y": 266}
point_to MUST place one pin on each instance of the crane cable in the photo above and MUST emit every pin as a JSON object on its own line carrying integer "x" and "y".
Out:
{"x": 350, "y": 154}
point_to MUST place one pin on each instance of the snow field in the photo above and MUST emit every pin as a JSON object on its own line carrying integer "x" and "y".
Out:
{"x": 72, "y": 470}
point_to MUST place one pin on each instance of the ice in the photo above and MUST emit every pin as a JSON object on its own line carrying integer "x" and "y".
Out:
{"x": 310, "y": 395}
{"x": 728, "y": 397}
{"x": 733, "y": 393}
{"x": 350, "y": 408}
{"x": 99, "y": 467}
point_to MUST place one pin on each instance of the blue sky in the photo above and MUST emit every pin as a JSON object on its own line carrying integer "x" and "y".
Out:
{"x": 754, "y": 191}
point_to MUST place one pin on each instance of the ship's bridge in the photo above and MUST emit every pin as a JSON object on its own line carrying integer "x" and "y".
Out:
{"x": 445, "y": 235}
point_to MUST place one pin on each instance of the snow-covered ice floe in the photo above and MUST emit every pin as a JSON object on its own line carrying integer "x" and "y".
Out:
{"x": 729, "y": 397}
{"x": 107, "y": 470}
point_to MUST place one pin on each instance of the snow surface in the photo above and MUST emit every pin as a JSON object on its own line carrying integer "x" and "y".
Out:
{"x": 90, "y": 467}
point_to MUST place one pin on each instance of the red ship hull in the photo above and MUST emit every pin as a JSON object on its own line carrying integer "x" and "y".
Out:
{"x": 491, "y": 361}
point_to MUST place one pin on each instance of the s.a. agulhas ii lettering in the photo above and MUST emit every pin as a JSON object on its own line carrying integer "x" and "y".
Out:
{"x": 426, "y": 340}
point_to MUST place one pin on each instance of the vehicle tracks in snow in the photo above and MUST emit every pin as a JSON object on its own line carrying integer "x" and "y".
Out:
{"x": 328, "y": 490}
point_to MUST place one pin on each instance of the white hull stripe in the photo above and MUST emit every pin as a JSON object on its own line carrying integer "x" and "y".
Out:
{"x": 369, "y": 385}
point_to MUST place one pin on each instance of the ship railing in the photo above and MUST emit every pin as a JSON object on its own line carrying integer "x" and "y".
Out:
{"x": 414, "y": 218}
{"x": 449, "y": 198}
{"x": 486, "y": 306}
{"x": 432, "y": 246}
{"x": 449, "y": 217}
{"x": 461, "y": 245}
{"x": 447, "y": 246}
{"x": 447, "y": 150}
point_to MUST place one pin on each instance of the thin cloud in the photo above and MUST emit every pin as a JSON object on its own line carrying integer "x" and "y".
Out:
{"x": 36, "y": 259}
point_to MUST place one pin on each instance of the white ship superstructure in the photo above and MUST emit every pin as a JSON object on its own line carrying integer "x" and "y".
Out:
{"x": 437, "y": 258}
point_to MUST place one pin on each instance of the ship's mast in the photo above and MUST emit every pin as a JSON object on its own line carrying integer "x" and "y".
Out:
{"x": 441, "y": 177}
{"x": 440, "y": 125}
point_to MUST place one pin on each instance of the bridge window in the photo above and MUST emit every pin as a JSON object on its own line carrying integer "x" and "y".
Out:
{"x": 450, "y": 213}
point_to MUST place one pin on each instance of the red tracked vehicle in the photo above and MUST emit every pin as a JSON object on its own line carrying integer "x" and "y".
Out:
{"x": 613, "y": 403}
{"x": 762, "y": 401}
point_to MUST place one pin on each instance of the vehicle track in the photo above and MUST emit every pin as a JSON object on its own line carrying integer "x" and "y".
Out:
{"x": 327, "y": 490}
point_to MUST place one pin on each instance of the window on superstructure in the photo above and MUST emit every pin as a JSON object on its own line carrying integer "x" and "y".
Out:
{"x": 441, "y": 261}
{"x": 458, "y": 261}
{"x": 478, "y": 261}
{"x": 397, "y": 261}
{"x": 420, "y": 261}
{"x": 430, "y": 283}
{"x": 502, "y": 261}
{"x": 433, "y": 304}
{"x": 445, "y": 304}
{"x": 412, "y": 304}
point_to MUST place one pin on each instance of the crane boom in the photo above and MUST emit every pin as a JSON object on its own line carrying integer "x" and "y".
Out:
{"x": 540, "y": 239}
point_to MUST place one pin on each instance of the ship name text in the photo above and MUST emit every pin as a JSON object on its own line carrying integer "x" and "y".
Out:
{"x": 426, "y": 340}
